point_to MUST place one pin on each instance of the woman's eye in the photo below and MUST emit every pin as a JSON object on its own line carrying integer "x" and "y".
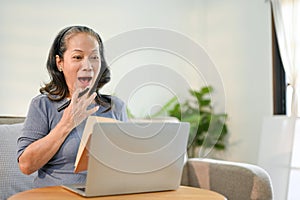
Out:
{"x": 95, "y": 57}
{"x": 77, "y": 57}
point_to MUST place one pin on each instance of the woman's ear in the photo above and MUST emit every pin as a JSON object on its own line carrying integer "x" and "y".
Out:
{"x": 59, "y": 63}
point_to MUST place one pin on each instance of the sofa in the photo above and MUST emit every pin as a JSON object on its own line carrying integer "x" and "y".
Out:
{"x": 236, "y": 181}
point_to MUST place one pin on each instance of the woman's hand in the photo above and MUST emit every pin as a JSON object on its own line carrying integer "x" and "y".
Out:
{"x": 77, "y": 111}
{"x": 41, "y": 151}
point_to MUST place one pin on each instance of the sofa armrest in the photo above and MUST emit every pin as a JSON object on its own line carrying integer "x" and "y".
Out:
{"x": 236, "y": 181}
{"x": 12, "y": 180}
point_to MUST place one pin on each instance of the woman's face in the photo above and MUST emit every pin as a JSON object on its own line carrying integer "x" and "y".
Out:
{"x": 81, "y": 61}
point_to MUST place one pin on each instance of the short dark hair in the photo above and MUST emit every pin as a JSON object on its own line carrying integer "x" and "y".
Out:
{"x": 57, "y": 88}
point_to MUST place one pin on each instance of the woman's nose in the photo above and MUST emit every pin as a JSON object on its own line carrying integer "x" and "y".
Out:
{"x": 87, "y": 65}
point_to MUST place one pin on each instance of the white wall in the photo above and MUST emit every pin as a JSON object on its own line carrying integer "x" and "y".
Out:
{"x": 239, "y": 41}
{"x": 234, "y": 33}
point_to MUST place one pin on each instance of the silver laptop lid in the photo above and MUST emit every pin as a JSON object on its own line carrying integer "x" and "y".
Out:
{"x": 136, "y": 157}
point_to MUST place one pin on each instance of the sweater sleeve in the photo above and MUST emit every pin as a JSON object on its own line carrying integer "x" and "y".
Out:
{"x": 35, "y": 126}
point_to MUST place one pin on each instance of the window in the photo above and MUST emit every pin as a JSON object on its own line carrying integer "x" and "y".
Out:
{"x": 286, "y": 68}
{"x": 279, "y": 81}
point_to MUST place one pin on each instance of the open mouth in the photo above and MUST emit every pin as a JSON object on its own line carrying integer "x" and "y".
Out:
{"x": 85, "y": 80}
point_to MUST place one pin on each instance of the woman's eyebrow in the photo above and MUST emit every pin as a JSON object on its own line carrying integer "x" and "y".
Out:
{"x": 82, "y": 50}
{"x": 95, "y": 50}
{"x": 77, "y": 50}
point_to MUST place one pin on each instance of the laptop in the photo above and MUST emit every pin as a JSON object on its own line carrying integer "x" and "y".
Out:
{"x": 128, "y": 157}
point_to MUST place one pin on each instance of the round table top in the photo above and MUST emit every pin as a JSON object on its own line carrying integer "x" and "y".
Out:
{"x": 58, "y": 192}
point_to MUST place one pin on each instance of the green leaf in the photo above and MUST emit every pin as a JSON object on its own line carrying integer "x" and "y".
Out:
{"x": 165, "y": 107}
{"x": 205, "y": 102}
{"x": 206, "y": 90}
{"x": 129, "y": 113}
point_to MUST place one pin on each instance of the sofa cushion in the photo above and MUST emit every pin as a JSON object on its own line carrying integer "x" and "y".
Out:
{"x": 11, "y": 178}
{"x": 236, "y": 181}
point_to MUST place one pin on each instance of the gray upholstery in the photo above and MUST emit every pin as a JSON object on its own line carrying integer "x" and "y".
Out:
{"x": 11, "y": 120}
{"x": 11, "y": 179}
{"x": 236, "y": 181}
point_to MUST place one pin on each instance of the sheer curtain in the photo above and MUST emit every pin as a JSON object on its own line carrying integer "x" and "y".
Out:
{"x": 279, "y": 133}
{"x": 287, "y": 25}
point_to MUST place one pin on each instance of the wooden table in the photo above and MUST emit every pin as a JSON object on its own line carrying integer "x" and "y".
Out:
{"x": 58, "y": 192}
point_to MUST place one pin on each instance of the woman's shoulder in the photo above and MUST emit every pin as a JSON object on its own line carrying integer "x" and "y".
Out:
{"x": 118, "y": 108}
{"x": 44, "y": 98}
{"x": 116, "y": 101}
{"x": 40, "y": 98}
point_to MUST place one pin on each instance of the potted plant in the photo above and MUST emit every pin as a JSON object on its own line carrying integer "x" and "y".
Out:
{"x": 208, "y": 130}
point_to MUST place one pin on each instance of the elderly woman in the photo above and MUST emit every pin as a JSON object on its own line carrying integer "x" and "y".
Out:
{"x": 56, "y": 117}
